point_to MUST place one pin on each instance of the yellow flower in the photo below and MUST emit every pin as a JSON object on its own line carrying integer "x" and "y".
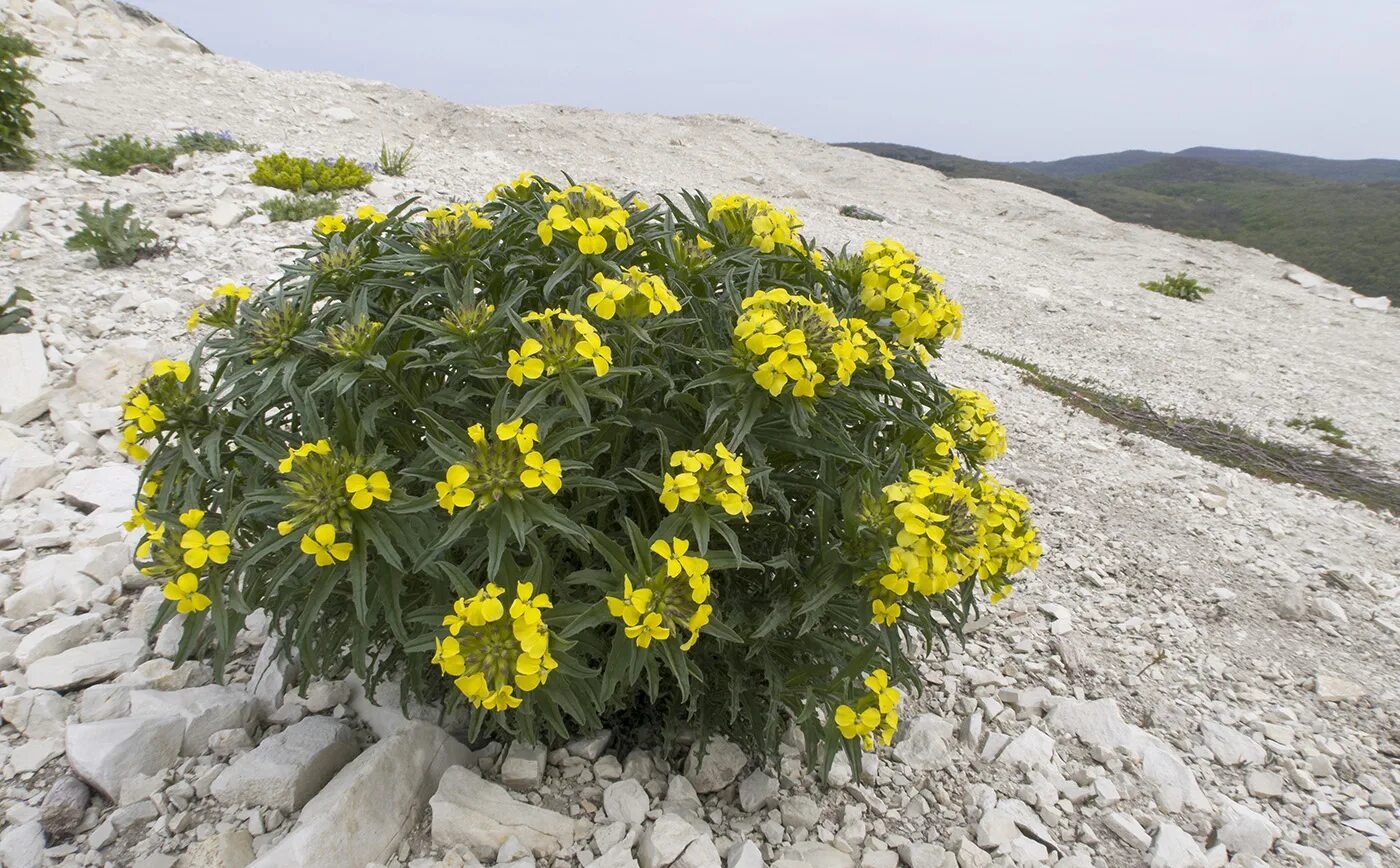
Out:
{"x": 681, "y": 487}
{"x": 371, "y": 213}
{"x": 201, "y": 549}
{"x": 181, "y": 370}
{"x": 453, "y": 492}
{"x": 143, "y": 412}
{"x": 591, "y": 347}
{"x": 320, "y": 447}
{"x": 524, "y": 364}
{"x": 229, "y": 290}
{"x": 184, "y": 591}
{"x": 539, "y": 472}
{"x": 447, "y": 655}
{"x": 330, "y": 224}
{"x": 365, "y": 491}
{"x": 525, "y": 435}
{"x": 193, "y": 322}
{"x": 884, "y": 614}
{"x": 855, "y": 725}
{"x": 321, "y": 544}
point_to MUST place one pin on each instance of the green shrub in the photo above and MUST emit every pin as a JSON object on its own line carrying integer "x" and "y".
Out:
{"x": 1324, "y": 427}
{"x": 220, "y": 142}
{"x": 120, "y": 155}
{"x": 1177, "y": 286}
{"x": 115, "y": 236}
{"x": 297, "y": 207}
{"x": 13, "y": 313}
{"x": 395, "y": 162}
{"x": 301, "y": 175}
{"x": 17, "y": 101}
{"x": 565, "y": 459}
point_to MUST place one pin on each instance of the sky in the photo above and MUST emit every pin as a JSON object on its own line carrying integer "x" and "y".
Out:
{"x": 992, "y": 79}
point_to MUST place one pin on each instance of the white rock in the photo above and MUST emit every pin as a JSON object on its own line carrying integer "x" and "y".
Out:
{"x": 1173, "y": 848}
{"x": 287, "y": 769}
{"x": 1334, "y": 688}
{"x": 37, "y": 713}
{"x": 23, "y": 466}
{"x": 96, "y": 661}
{"x": 225, "y": 214}
{"x": 52, "y": 15}
{"x": 925, "y": 743}
{"x": 339, "y": 114}
{"x": 22, "y": 846}
{"x": 1033, "y": 748}
{"x": 56, "y": 636}
{"x": 1305, "y": 279}
{"x": 271, "y": 673}
{"x": 1230, "y": 746}
{"x": 14, "y": 213}
{"x": 383, "y": 188}
{"x": 590, "y": 747}
{"x": 523, "y": 766}
{"x": 744, "y": 854}
{"x": 366, "y": 809}
{"x": 757, "y": 791}
{"x": 626, "y": 801}
{"x": 720, "y": 765}
{"x": 109, "y": 487}
{"x": 1372, "y": 302}
{"x": 702, "y": 853}
{"x": 665, "y": 840}
{"x": 818, "y": 855}
{"x": 916, "y": 854}
{"x": 34, "y": 754}
{"x": 205, "y": 710}
{"x": 167, "y": 38}
{"x": 108, "y": 752}
{"x": 1128, "y": 830}
{"x": 1246, "y": 831}
{"x": 840, "y": 774}
{"x": 473, "y": 813}
{"x": 232, "y": 848}
{"x": 799, "y": 812}
{"x": 324, "y": 695}
{"x": 1264, "y": 784}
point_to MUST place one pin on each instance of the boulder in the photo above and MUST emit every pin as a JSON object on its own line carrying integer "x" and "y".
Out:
{"x": 26, "y": 368}
{"x": 56, "y": 636}
{"x": 1245, "y": 831}
{"x": 108, "y": 752}
{"x": 22, "y": 845}
{"x": 626, "y": 801}
{"x": 366, "y": 809}
{"x": 287, "y": 769}
{"x": 205, "y": 710}
{"x": 476, "y": 814}
{"x": 1032, "y": 748}
{"x": 1231, "y": 747}
{"x": 1174, "y": 848}
{"x": 665, "y": 841}
{"x": 37, "y": 713}
{"x": 109, "y": 487}
{"x": 925, "y": 743}
{"x": 85, "y": 664}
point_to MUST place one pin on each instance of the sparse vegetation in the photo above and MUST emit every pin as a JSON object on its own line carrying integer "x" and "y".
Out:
{"x": 1324, "y": 427}
{"x": 17, "y": 101}
{"x": 301, "y": 175}
{"x": 13, "y": 313}
{"x": 1341, "y": 477}
{"x": 210, "y": 142}
{"x": 124, "y": 153}
{"x": 115, "y": 236}
{"x": 297, "y": 207}
{"x": 1177, "y": 286}
{"x": 395, "y": 162}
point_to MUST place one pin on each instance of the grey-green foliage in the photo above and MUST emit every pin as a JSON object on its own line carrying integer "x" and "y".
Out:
{"x": 115, "y": 236}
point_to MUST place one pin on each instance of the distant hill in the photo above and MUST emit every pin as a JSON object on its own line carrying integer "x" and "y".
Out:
{"x": 1353, "y": 171}
{"x": 1346, "y": 231}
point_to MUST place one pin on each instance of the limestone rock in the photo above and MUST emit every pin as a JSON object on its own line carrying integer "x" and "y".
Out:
{"x": 1333, "y": 688}
{"x": 229, "y": 849}
{"x": 1231, "y": 747}
{"x": 109, "y": 487}
{"x": 665, "y": 841}
{"x": 56, "y": 636}
{"x": 287, "y": 769}
{"x": 22, "y": 846}
{"x": 523, "y": 766}
{"x": 626, "y": 801}
{"x": 720, "y": 765}
{"x": 366, "y": 809}
{"x": 23, "y": 466}
{"x": 925, "y": 743}
{"x": 108, "y": 752}
{"x": 37, "y": 713}
{"x": 473, "y": 813}
{"x": 21, "y": 392}
{"x": 1246, "y": 831}
{"x": 85, "y": 664}
{"x": 1173, "y": 848}
{"x": 205, "y": 710}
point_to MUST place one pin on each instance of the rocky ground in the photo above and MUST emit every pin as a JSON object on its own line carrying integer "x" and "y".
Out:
{"x": 1204, "y": 670}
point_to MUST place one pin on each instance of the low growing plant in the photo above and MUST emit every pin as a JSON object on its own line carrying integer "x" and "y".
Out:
{"x": 220, "y": 142}
{"x": 297, "y": 207}
{"x": 1177, "y": 286}
{"x": 13, "y": 313}
{"x": 17, "y": 102}
{"x": 565, "y": 458}
{"x": 1324, "y": 427}
{"x": 395, "y": 162}
{"x": 115, "y": 236}
{"x": 301, "y": 175}
{"x": 124, "y": 153}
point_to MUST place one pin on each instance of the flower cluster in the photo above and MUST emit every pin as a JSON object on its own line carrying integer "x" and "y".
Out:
{"x": 503, "y": 467}
{"x": 222, "y": 308}
{"x": 792, "y": 339}
{"x": 893, "y": 285}
{"x": 756, "y": 223}
{"x": 973, "y": 423}
{"x": 1006, "y": 540}
{"x": 926, "y": 518}
{"x": 564, "y": 341}
{"x": 718, "y": 477}
{"x": 676, "y": 595}
{"x": 875, "y": 713}
{"x": 325, "y": 486}
{"x": 453, "y": 231}
{"x": 516, "y": 189}
{"x": 180, "y": 560}
{"x": 588, "y": 216}
{"x": 492, "y": 651}
{"x": 635, "y": 295}
{"x": 144, "y": 409}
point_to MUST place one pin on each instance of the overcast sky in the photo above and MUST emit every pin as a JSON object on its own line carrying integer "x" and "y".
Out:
{"x": 1030, "y": 79}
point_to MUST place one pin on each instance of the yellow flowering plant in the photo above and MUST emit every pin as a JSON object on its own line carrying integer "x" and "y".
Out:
{"x": 563, "y": 458}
